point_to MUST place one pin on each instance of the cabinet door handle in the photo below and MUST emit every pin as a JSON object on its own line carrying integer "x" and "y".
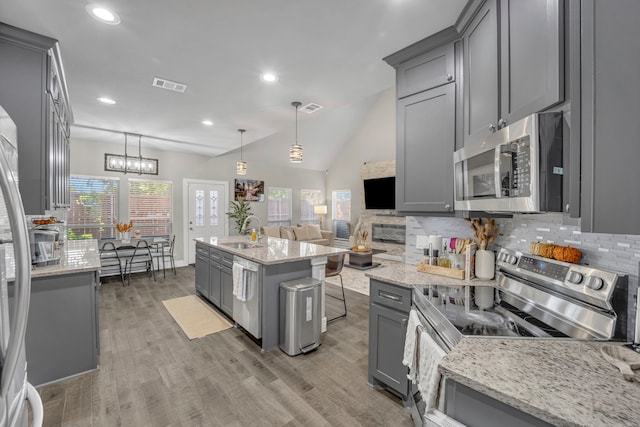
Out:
{"x": 386, "y": 295}
{"x": 404, "y": 322}
{"x": 447, "y": 207}
{"x": 492, "y": 127}
{"x": 566, "y": 208}
{"x": 502, "y": 123}
{"x": 449, "y": 77}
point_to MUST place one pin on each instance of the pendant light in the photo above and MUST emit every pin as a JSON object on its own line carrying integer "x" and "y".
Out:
{"x": 127, "y": 163}
{"x": 295, "y": 152}
{"x": 241, "y": 166}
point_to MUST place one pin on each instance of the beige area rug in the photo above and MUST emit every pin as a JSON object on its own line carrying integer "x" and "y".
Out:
{"x": 195, "y": 317}
{"x": 356, "y": 280}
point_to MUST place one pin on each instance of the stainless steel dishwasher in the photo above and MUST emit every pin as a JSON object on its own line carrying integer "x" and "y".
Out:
{"x": 247, "y": 296}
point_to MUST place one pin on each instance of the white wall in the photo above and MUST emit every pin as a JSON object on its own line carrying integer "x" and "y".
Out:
{"x": 374, "y": 141}
{"x": 87, "y": 158}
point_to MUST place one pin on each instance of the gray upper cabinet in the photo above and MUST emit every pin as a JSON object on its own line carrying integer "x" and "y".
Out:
{"x": 424, "y": 151}
{"x": 610, "y": 110}
{"x": 531, "y": 57}
{"x": 513, "y": 63}
{"x": 34, "y": 93}
{"x": 480, "y": 72}
{"x": 426, "y": 71}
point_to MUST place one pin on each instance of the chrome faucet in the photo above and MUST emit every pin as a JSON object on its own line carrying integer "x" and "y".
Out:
{"x": 244, "y": 225}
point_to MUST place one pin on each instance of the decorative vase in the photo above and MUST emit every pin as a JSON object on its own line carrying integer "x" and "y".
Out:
{"x": 485, "y": 264}
{"x": 123, "y": 235}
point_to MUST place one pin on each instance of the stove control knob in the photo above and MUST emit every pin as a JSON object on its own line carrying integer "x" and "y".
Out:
{"x": 595, "y": 283}
{"x": 575, "y": 277}
{"x": 502, "y": 257}
{"x": 511, "y": 259}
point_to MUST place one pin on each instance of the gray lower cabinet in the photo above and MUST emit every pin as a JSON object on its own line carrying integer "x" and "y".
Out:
{"x": 226, "y": 285}
{"x": 62, "y": 332}
{"x": 215, "y": 276}
{"x": 33, "y": 92}
{"x": 609, "y": 122}
{"x": 513, "y": 63}
{"x": 475, "y": 409}
{"x": 389, "y": 307}
{"x": 424, "y": 151}
{"x": 202, "y": 270}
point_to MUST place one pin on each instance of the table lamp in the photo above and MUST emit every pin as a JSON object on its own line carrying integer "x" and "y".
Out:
{"x": 320, "y": 210}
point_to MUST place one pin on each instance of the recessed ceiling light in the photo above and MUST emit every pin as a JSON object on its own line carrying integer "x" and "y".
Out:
{"x": 106, "y": 100}
{"x": 207, "y": 122}
{"x": 102, "y": 14}
{"x": 269, "y": 77}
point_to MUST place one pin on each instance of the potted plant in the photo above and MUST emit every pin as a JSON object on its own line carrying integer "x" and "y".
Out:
{"x": 239, "y": 210}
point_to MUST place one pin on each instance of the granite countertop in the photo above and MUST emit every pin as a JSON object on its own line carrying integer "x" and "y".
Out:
{"x": 76, "y": 256}
{"x": 272, "y": 250}
{"x": 408, "y": 275}
{"x": 563, "y": 382}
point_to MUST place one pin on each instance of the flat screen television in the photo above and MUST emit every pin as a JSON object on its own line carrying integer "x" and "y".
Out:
{"x": 380, "y": 193}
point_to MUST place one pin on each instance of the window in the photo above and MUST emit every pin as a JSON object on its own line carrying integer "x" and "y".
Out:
{"x": 341, "y": 212}
{"x": 308, "y": 199}
{"x": 94, "y": 207}
{"x": 150, "y": 207}
{"x": 279, "y": 206}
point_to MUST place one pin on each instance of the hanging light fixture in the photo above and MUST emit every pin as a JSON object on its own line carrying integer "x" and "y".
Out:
{"x": 241, "y": 166}
{"x": 295, "y": 152}
{"x": 126, "y": 163}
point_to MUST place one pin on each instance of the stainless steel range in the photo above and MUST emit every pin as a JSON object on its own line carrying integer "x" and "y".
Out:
{"x": 534, "y": 297}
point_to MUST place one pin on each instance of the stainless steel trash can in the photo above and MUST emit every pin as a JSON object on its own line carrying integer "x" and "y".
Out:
{"x": 300, "y": 315}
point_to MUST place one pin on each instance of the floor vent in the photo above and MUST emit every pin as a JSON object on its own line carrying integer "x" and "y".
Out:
{"x": 311, "y": 108}
{"x": 169, "y": 85}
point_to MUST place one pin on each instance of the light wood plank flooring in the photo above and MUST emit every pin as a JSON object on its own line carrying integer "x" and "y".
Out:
{"x": 152, "y": 375}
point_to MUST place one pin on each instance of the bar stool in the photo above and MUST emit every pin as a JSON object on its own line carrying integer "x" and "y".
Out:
{"x": 334, "y": 268}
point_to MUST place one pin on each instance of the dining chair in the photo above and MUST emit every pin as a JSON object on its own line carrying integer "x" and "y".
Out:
{"x": 334, "y": 268}
{"x": 141, "y": 256}
{"x": 110, "y": 261}
{"x": 163, "y": 251}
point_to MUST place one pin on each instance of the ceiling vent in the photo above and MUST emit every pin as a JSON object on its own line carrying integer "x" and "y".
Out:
{"x": 169, "y": 85}
{"x": 311, "y": 108}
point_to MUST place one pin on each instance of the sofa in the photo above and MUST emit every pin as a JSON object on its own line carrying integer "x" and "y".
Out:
{"x": 310, "y": 233}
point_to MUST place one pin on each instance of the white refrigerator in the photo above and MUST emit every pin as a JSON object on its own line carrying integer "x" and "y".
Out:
{"x": 15, "y": 265}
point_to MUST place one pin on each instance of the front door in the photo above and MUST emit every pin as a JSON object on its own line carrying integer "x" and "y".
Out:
{"x": 206, "y": 217}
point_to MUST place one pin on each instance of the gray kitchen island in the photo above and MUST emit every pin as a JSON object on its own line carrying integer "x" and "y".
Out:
{"x": 277, "y": 260}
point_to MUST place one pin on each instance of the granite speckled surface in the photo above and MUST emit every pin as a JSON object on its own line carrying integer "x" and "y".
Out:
{"x": 271, "y": 250}
{"x": 563, "y": 382}
{"x": 75, "y": 256}
{"x": 408, "y": 275}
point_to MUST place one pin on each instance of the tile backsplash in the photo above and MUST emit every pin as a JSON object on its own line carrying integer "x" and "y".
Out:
{"x": 616, "y": 252}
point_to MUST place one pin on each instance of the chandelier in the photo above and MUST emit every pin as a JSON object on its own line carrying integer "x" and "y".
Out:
{"x": 136, "y": 164}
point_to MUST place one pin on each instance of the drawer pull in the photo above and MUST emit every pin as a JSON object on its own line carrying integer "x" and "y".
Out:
{"x": 392, "y": 297}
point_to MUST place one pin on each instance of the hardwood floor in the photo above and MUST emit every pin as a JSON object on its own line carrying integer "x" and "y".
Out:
{"x": 152, "y": 375}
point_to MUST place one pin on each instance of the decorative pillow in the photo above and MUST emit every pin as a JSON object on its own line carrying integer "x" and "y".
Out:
{"x": 287, "y": 233}
{"x": 301, "y": 233}
{"x": 271, "y": 231}
{"x": 313, "y": 231}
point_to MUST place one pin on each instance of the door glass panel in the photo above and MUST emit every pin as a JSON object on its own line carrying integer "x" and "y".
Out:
{"x": 213, "y": 213}
{"x": 199, "y": 208}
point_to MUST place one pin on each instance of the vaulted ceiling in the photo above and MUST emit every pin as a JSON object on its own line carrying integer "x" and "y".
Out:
{"x": 326, "y": 52}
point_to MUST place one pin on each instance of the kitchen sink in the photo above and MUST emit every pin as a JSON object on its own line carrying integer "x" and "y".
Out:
{"x": 241, "y": 245}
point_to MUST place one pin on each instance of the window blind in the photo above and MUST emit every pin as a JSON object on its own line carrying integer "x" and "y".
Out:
{"x": 94, "y": 207}
{"x": 151, "y": 207}
{"x": 308, "y": 199}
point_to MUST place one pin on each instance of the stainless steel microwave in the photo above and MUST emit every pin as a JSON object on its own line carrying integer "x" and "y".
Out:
{"x": 516, "y": 169}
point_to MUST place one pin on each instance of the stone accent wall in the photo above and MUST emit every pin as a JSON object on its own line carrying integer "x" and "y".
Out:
{"x": 378, "y": 216}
